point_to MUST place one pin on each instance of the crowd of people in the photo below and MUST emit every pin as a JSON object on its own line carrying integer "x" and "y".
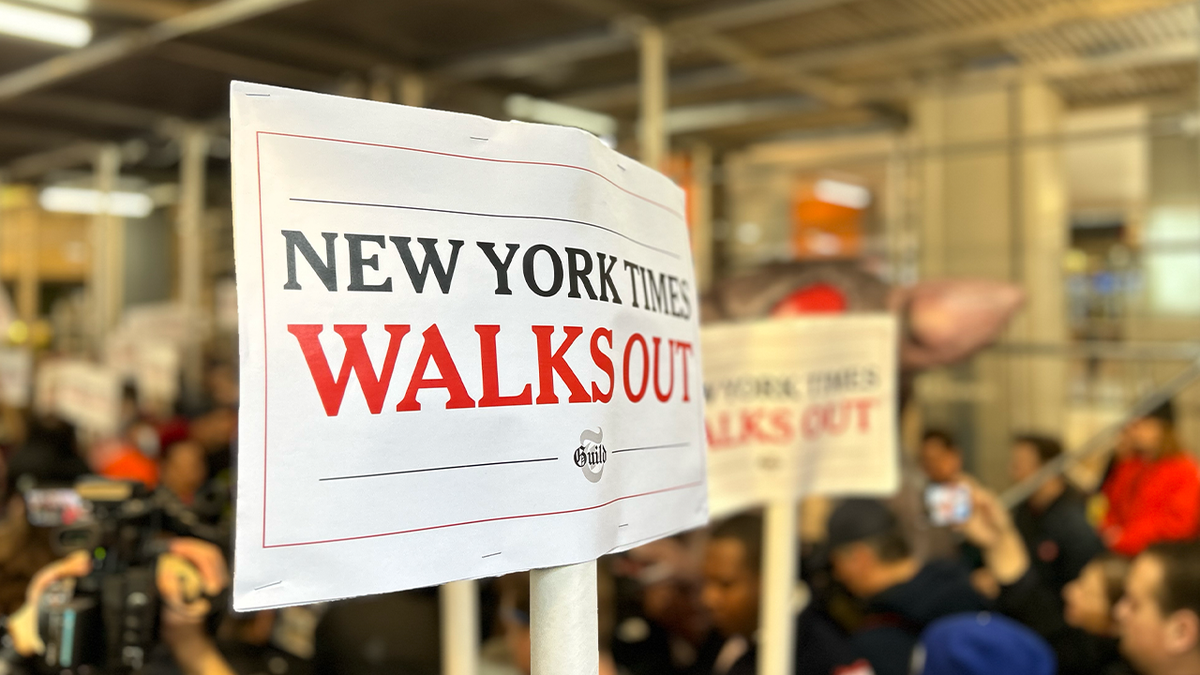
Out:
{"x": 1055, "y": 585}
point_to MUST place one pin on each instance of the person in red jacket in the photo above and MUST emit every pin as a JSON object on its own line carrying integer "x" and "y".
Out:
{"x": 1153, "y": 492}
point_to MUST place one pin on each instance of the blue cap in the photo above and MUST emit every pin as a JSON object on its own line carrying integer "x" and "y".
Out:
{"x": 983, "y": 644}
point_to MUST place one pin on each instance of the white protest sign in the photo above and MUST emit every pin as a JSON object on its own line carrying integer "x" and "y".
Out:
{"x": 468, "y": 348}
{"x": 16, "y": 376}
{"x": 800, "y": 406}
{"x": 87, "y": 395}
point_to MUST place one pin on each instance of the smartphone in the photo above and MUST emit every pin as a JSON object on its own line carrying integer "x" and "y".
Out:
{"x": 948, "y": 504}
{"x": 56, "y": 507}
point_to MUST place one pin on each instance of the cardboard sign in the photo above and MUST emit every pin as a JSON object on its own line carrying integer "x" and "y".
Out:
{"x": 87, "y": 395}
{"x": 16, "y": 376}
{"x": 468, "y": 348}
{"x": 800, "y": 406}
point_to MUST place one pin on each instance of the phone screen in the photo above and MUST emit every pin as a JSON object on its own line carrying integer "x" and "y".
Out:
{"x": 56, "y": 507}
{"x": 948, "y": 504}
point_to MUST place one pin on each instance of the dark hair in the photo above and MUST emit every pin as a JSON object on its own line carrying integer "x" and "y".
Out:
{"x": 940, "y": 436}
{"x": 747, "y": 529}
{"x": 1115, "y": 568}
{"x": 1047, "y": 448}
{"x": 1181, "y": 575}
{"x": 890, "y": 546}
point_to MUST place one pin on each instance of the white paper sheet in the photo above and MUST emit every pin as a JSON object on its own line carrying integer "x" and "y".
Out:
{"x": 800, "y": 406}
{"x": 519, "y": 466}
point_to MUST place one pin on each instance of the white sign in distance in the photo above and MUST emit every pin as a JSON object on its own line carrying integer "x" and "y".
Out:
{"x": 86, "y": 394}
{"x": 800, "y": 406}
{"x": 467, "y": 348}
{"x": 16, "y": 376}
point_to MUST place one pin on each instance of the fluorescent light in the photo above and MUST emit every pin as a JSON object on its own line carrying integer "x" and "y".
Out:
{"x": 842, "y": 194}
{"x": 36, "y": 24}
{"x": 532, "y": 109}
{"x": 72, "y": 6}
{"x": 87, "y": 200}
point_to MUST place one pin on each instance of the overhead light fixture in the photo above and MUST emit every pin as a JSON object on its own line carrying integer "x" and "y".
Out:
{"x": 72, "y": 6}
{"x": 37, "y": 24}
{"x": 839, "y": 193}
{"x": 87, "y": 200}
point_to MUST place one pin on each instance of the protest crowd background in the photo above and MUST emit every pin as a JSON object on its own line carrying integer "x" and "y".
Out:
{"x": 1017, "y": 182}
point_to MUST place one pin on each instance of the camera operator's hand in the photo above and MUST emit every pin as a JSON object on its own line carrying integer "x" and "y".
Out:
{"x": 188, "y": 576}
{"x": 991, "y": 529}
{"x": 23, "y": 624}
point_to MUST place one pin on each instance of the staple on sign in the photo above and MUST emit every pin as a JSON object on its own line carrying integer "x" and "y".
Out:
{"x": 273, "y": 583}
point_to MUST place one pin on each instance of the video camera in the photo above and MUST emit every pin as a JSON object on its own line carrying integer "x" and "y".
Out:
{"x": 106, "y": 621}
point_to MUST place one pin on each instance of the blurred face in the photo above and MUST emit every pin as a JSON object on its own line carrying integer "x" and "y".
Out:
{"x": 852, "y": 565}
{"x": 1086, "y": 602}
{"x": 1025, "y": 462}
{"x": 184, "y": 470}
{"x": 940, "y": 462}
{"x": 1146, "y": 435}
{"x": 1151, "y": 640}
{"x": 730, "y": 588}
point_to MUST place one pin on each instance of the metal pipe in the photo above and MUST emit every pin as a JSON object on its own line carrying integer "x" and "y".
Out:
{"x": 1103, "y": 440}
{"x": 193, "y": 142}
{"x": 106, "y": 268}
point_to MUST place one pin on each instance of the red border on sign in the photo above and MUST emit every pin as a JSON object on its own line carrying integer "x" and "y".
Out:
{"x": 263, "y": 272}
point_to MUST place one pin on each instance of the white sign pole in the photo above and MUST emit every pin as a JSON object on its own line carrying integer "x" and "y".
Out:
{"x": 460, "y": 627}
{"x": 776, "y": 614}
{"x": 564, "y": 628}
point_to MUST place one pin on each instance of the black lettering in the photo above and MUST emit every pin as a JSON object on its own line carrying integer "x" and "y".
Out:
{"x": 606, "y": 281}
{"x": 633, "y": 281}
{"x": 674, "y": 286}
{"x": 575, "y": 258}
{"x": 489, "y": 248}
{"x": 357, "y": 262}
{"x": 658, "y": 291}
{"x": 326, "y": 269}
{"x": 686, "y": 294}
{"x": 443, "y": 273}
{"x": 529, "y": 276}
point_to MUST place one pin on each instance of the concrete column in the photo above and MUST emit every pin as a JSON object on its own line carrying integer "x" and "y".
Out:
{"x": 412, "y": 89}
{"x": 27, "y": 286}
{"x": 700, "y": 211}
{"x": 993, "y": 205}
{"x": 189, "y": 225}
{"x": 652, "y": 133}
{"x": 107, "y": 243}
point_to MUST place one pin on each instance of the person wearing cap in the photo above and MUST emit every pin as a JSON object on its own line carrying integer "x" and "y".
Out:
{"x": 871, "y": 558}
{"x": 1153, "y": 494}
{"x": 981, "y": 644}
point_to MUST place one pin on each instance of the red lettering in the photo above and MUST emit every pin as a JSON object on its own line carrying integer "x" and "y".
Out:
{"x": 685, "y": 349}
{"x": 670, "y": 355}
{"x": 435, "y": 350}
{"x": 491, "y": 378}
{"x": 752, "y": 428}
{"x": 357, "y": 359}
{"x": 781, "y": 420}
{"x": 550, "y": 363}
{"x": 645, "y": 367}
{"x": 864, "y": 412}
{"x": 604, "y": 363}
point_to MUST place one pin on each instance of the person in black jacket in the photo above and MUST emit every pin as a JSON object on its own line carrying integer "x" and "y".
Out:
{"x": 1053, "y": 521}
{"x": 1028, "y": 599}
{"x": 871, "y": 558}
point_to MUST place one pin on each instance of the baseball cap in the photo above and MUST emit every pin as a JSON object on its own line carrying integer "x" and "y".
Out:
{"x": 858, "y": 519}
{"x": 982, "y": 644}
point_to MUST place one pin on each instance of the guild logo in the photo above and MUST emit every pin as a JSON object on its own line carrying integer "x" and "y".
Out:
{"x": 591, "y": 455}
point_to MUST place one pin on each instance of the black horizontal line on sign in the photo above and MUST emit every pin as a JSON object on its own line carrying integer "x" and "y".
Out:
{"x": 487, "y": 215}
{"x": 653, "y": 447}
{"x": 441, "y": 468}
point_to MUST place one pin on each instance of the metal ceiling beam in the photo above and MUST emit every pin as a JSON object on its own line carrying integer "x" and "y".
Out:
{"x": 86, "y": 109}
{"x": 237, "y": 65}
{"x": 620, "y": 35}
{"x": 113, "y": 49}
{"x": 701, "y": 35}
